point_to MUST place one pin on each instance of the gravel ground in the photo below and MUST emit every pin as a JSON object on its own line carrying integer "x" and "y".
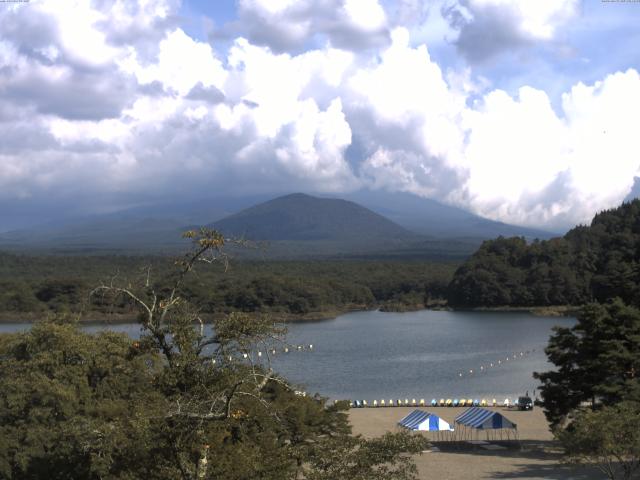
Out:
{"x": 536, "y": 456}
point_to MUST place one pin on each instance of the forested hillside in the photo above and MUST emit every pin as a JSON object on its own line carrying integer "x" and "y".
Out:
{"x": 41, "y": 284}
{"x": 595, "y": 262}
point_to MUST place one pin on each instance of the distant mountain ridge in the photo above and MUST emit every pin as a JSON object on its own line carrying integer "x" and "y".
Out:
{"x": 302, "y": 217}
{"x": 432, "y": 218}
{"x": 296, "y": 225}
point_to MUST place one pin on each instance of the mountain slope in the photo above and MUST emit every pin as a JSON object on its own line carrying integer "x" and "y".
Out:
{"x": 296, "y": 225}
{"x": 144, "y": 229}
{"x": 429, "y": 217}
{"x": 300, "y": 217}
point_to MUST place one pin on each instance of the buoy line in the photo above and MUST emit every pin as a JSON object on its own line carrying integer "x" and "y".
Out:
{"x": 269, "y": 351}
{"x": 501, "y": 361}
{"x": 449, "y": 402}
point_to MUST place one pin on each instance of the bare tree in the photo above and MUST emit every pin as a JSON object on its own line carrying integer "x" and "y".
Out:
{"x": 211, "y": 365}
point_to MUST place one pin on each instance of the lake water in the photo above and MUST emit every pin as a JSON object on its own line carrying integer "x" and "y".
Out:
{"x": 375, "y": 355}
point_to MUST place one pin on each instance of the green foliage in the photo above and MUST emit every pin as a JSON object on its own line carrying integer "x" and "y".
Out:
{"x": 61, "y": 284}
{"x": 180, "y": 403}
{"x": 353, "y": 458}
{"x": 609, "y": 437}
{"x": 597, "y": 360}
{"x": 74, "y": 405}
{"x": 589, "y": 263}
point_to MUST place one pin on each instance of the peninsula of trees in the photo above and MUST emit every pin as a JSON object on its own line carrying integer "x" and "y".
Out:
{"x": 590, "y": 263}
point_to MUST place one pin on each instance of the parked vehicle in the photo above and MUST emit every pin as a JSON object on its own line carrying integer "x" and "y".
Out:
{"x": 524, "y": 403}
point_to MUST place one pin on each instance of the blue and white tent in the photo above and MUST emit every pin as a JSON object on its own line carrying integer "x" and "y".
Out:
{"x": 424, "y": 421}
{"x": 483, "y": 419}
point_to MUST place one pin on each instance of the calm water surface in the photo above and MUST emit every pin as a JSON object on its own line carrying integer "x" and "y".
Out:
{"x": 374, "y": 355}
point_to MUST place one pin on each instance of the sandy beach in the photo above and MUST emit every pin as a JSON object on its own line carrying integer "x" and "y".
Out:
{"x": 537, "y": 456}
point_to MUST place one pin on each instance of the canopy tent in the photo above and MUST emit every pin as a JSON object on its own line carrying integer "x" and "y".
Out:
{"x": 477, "y": 419}
{"x": 483, "y": 419}
{"x": 425, "y": 422}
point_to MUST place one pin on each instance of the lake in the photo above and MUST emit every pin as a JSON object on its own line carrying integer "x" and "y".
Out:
{"x": 374, "y": 355}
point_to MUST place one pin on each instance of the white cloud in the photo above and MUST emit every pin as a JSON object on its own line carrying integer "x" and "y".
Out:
{"x": 163, "y": 112}
{"x": 182, "y": 63}
{"x": 366, "y": 15}
{"x": 527, "y": 164}
{"x": 81, "y": 40}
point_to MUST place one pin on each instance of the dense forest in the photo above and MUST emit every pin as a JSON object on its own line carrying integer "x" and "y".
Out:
{"x": 595, "y": 262}
{"x": 60, "y": 284}
{"x": 178, "y": 403}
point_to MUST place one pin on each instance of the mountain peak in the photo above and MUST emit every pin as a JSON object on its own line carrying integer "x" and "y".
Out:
{"x": 296, "y": 195}
{"x": 299, "y": 216}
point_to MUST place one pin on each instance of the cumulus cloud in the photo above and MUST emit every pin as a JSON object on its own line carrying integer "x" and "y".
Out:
{"x": 528, "y": 164}
{"x": 160, "y": 113}
{"x": 286, "y": 25}
{"x": 488, "y": 27}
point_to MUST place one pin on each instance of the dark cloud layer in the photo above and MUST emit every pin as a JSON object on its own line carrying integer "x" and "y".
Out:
{"x": 488, "y": 28}
{"x": 493, "y": 30}
{"x": 301, "y": 25}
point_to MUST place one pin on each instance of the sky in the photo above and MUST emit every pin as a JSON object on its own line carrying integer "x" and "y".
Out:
{"x": 522, "y": 111}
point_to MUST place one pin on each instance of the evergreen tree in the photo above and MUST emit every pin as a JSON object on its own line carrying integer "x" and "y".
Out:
{"x": 597, "y": 262}
{"x": 597, "y": 360}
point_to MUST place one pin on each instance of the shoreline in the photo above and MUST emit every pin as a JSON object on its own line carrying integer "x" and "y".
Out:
{"x": 319, "y": 316}
{"x": 119, "y": 318}
{"x": 539, "y": 311}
